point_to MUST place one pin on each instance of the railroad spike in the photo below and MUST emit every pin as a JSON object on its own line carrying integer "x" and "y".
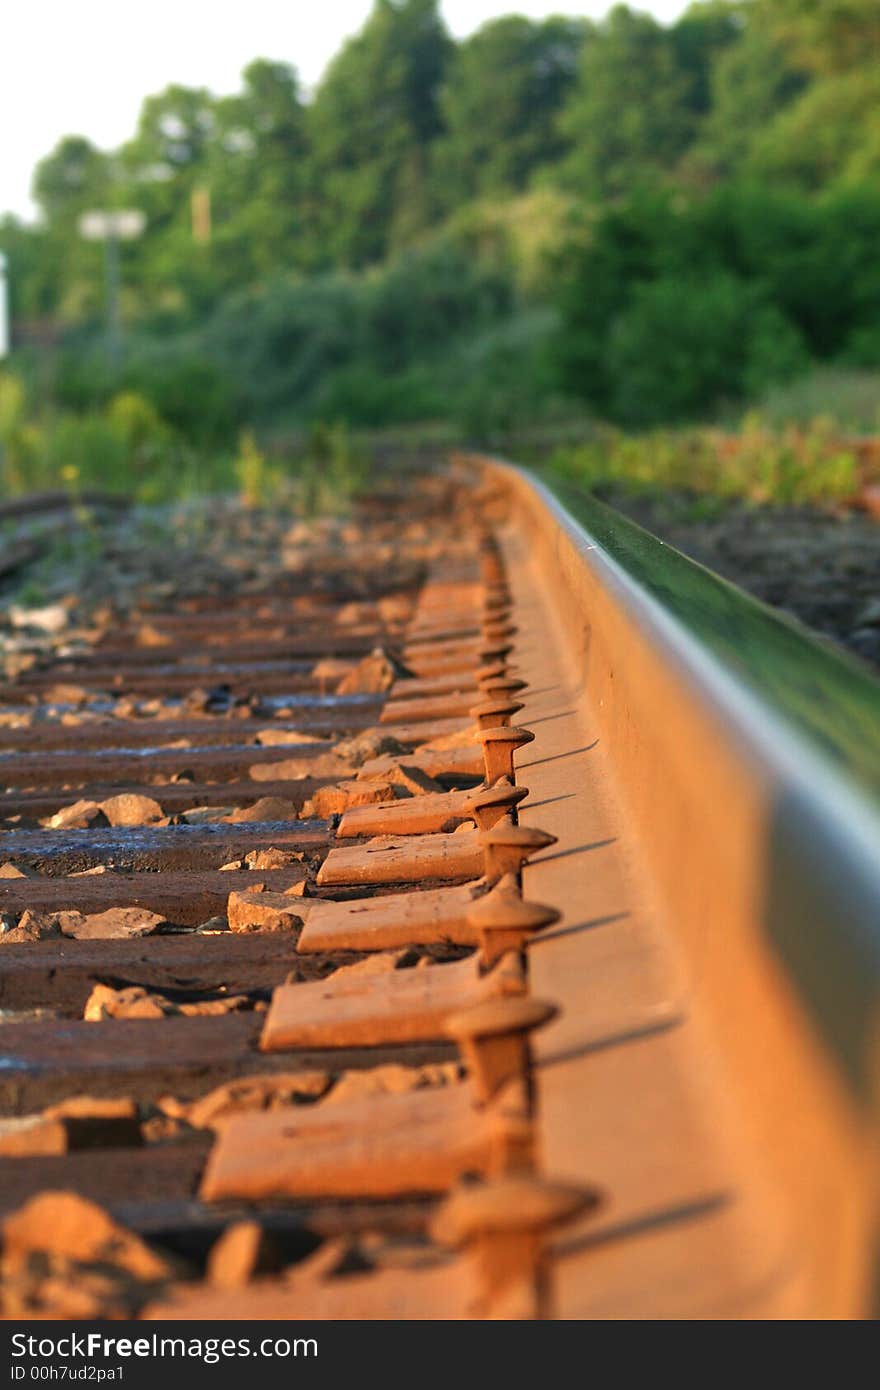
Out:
{"x": 495, "y": 652}
{"x": 506, "y": 848}
{"x": 501, "y": 686}
{"x": 497, "y": 600}
{"x": 496, "y": 630}
{"x": 504, "y": 1224}
{"x": 488, "y": 805}
{"x": 495, "y": 670}
{"x": 505, "y": 921}
{"x": 494, "y": 714}
{"x": 499, "y": 746}
{"x": 493, "y": 1038}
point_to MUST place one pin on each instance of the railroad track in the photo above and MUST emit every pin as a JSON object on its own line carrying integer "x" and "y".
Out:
{"x": 444, "y": 930}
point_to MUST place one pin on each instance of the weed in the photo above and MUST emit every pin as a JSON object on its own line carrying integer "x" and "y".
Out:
{"x": 786, "y": 467}
{"x": 259, "y": 481}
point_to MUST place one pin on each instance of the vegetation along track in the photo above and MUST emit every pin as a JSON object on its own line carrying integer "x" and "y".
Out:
{"x": 493, "y": 933}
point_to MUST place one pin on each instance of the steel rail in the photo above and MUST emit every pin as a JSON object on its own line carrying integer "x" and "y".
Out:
{"x": 741, "y": 757}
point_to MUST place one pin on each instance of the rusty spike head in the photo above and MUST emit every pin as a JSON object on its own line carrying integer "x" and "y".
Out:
{"x": 499, "y": 746}
{"x": 495, "y": 652}
{"x": 497, "y": 599}
{"x": 502, "y": 686}
{"x": 505, "y": 1222}
{"x": 488, "y": 805}
{"x": 497, "y": 629}
{"x": 519, "y": 1202}
{"x": 493, "y": 1038}
{"x": 495, "y": 670}
{"x": 494, "y": 714}
{"x": 507, "y": 847}
{"x": 504, "y": 921}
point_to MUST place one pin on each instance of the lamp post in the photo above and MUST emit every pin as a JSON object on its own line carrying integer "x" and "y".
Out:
{"x": 111, "y": 227}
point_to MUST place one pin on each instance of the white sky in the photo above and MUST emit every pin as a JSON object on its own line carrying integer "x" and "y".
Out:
{"x": 84, "y": 66}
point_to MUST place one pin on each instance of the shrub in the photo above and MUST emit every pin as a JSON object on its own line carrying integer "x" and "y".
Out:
{"x": 137, "y": 417}
{"x": 92, "y": 446}
{"x": 706, "y": 298}
{"x": 759, "y": 464}
{"x": 19, "y": 440}
{"x": 505, "y": 377}
{"x": 332, "y": 470}
{"x": 362, "y": 395}
{"x": 685, "y": 344}
{"x": 260, "y": 482}
{"x": 188, "y": 392}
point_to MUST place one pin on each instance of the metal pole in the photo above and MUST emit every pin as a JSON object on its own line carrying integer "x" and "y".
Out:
{"x": 111, "y": 264}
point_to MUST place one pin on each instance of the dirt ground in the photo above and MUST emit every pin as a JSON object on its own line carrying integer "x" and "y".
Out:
{"x": 821, "y": 567}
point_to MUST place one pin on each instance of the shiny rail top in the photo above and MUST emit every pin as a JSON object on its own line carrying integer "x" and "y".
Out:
{"x": 827, "y": 696}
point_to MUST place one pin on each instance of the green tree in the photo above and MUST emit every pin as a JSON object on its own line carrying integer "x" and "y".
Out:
{"x": 826, "y": 35}
{"x": 831, "y": 133}
{"x": 629, "y": 116}
{"x": 159, "y": 168}
{"x": 172, "y": 136}
{"x": 700, "y": 39}
{"x": 255, "y": 171}
{"x": 373, "y": 118}
{"x": 501, "y": 101}
{"x": 751, "y": 83}
{"x": 34, "y": 273}
{"x": 67, "y": 271}
{"x": 74, "y": 177}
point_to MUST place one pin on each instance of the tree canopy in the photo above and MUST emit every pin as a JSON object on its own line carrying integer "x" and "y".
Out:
{"x": 592, "y": 181}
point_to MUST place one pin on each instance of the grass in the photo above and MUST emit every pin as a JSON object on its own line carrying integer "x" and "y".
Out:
{"x": 128, "y": 448}
{"x": 759, "y": 463}
{"x": 796, "y": 449}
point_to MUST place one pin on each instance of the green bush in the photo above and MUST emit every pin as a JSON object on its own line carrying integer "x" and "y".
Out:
{"x": 505, "y": 376}
{"x": 173, "y": 375}
{"x": 19, "y": 440}
{"x": 88, "y": 448}
{"x": 428, "y": 299}
{"x": 671, "y": 305}
{"x": 192, "y": 394}
{"x": 138, "y": 419}
{"x": 282, "y": 342}
{"x": 761, "y": 464}
{"x": 687, "y": 342}
{"x": 362, "y": 395}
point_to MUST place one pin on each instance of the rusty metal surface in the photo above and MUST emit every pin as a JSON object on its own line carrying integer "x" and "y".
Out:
{"x": 692, "y": 807}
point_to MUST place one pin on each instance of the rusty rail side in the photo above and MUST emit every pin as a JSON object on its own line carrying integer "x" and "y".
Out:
{"x": 721, "y": 888}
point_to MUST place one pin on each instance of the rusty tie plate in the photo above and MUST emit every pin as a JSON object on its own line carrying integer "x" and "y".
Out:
{"x": 400, "y": 1006}
{"x": 384, "y": 1146}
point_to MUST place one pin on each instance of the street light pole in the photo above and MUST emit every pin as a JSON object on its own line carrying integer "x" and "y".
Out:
{"x": 111, "y": 228}
{"x": 111, "y": 287}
